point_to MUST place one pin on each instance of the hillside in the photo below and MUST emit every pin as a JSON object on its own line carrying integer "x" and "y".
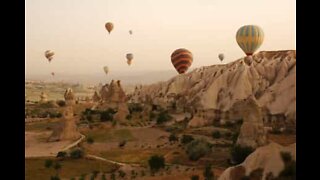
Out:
{"x": 271, "y": 78}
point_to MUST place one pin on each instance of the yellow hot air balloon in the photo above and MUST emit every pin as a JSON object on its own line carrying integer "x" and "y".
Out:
{"x": 109, "y": 26}
{"x": 129, "y": 57}
{"x": 249, "y": 38}
{"x": 52, "y": 73}
{"x": 49, "y": 55}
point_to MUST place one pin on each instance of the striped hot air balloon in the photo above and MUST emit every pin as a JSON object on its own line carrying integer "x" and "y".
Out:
{"x": 181, "y": 60}
{"x": 249, "y": 38}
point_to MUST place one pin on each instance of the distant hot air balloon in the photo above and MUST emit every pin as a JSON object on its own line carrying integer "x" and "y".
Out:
{"x": 130, "y": 32}
{"x": 49, "y": 55}
{"x": 52, "y": 73}
{"x": 221, "y": 56}
{"x": 249, "y": 38}
{"x": 181, "y": 60}
{"x": 129, "y": 57}
{"x": 106, "y": 69}
{"x": 109, "y": 27}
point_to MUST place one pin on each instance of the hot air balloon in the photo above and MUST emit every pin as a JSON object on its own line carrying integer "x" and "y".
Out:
{"x": 109, "y": 27}
{"x": 249, "y": 38}
{"x": 52, "y": 73}
{"x": 221, "y": 56}
{"x": 129, "y": 57}
{"x": 106, "y": 69}
{"x": 49, "y": 55}
{"x": 130, "y": 32}
{"x": 181, "y": 60}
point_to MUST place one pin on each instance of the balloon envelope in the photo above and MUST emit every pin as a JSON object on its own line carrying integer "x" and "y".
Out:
{"x": 106, "y": 69}
{"x": 49, "y": 55}
{"x": 109, "y": 26}
{"x": 181, "y": 60}
{"x": 221, "y": 57}
{"x": 249, "y": 38}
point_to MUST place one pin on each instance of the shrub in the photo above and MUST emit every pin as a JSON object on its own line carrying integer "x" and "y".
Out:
{"x": 122, "y": 174}
{"x": 48, "y": 163}
{"x": 55, "y": 177}
{"x": 152, "y": 115}
{"x": 194, "y": 177}
{"x": 122, "y": 143}
{"x": 114, "y": 123}
{"x": 208, "y": 173}
{"x": 156, "y": 162}
{"x": 112, "y": 176}
{"x": 61, "y": 154}
{"x": 197, "y": 149}
{"x": 239, "y": 153}
{"x": 129, "y": 116}
{"x": 228, "y": 135}
{"x": 57, "y": 166}
{"x": 216, "y": 134}
{"x": 90, "y": 140}
{"x": 61, "y": 103}
{"x": 89, "y": 117}
{"x": 106, "y": 115}
{"x": 103, "y": 177}
{"x": 186, "y": 139}
{"x": 142, "y": 173}
{"x": 173, "y": 137}
{"x": 77, "y": 154}
{"x": 163, "y": 117}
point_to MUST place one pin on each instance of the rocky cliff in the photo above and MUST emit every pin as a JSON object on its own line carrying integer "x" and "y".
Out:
{"x": 270, "y": 78}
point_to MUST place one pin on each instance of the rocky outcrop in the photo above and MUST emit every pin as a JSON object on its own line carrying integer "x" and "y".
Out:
{"x": 69, "y": 97}
{"x": 96, "y": 97}
{"x": 252, "y": 131}
{"x": 269, "y": 76}
{"x": 43, "y": 97}
{"x": 67, "y": 130}
{"x": 113, "y": 96}
{"x": 266, "y": 158}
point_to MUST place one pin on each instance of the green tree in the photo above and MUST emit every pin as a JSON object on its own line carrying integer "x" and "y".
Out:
{"x": 197, "y": 149}
{"x": 173, "y": 137}
{"x": 216, "y": 134}
{"x": 61, "y": 154}
{"x": 163, "y": 117}
{"x": 122, "y": 174}
{"x": 194, "y": 177}
{"x": 56, "y": 177}
{"x": 156, "y": 162}
{"x": 48, "y": 163}
{"x": 208, "y": 173}
{"x": 77, "y": 153}
{"x": 57, "y": 167}
{"x": 112, "y": 176}
{"x": 103, "y": 177}
{"x": 186, "y": 139}
{"x": 90, "y": 140}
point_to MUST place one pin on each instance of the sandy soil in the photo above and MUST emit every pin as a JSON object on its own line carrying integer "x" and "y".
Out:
{"x": 36, "y": 145}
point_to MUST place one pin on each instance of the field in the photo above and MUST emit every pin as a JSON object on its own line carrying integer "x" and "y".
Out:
{"x": 35, "y": 169}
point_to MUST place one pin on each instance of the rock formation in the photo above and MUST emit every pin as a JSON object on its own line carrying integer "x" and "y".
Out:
{"x": 268, "y": 158}
{"x": 43, "y": 97}
{"x": 252, "y": 131}
{"x": 113, "y": 96}
{"x": 69, "y": 97}
{"x": 96, "y": 97}
{"x": 67, "y": 130}
{"x": 270, "y": 77}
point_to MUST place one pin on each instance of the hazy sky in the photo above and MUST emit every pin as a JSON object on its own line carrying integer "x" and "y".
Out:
{"x": 74, "y": 29}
